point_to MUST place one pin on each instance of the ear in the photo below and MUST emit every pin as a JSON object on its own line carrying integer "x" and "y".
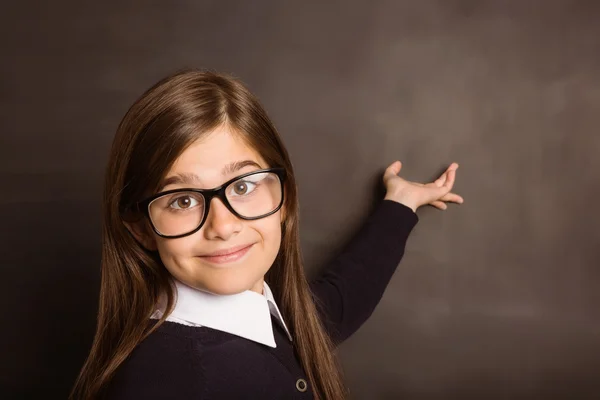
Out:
{"x": 142, "y": 233}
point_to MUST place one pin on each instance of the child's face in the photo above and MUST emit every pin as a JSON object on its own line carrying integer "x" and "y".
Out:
{"x": 183, "y": 257}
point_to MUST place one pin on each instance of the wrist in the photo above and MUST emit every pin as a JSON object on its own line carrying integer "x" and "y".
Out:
{"x": 402, "y": 201}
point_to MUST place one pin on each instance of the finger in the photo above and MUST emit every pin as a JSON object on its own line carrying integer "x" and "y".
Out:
{"x": 450, "y": 170}
{"x": 450, "y": 178}
{"x": 444, "y": 177}
{"x": 439, "y": 182}
{"x": 439, "y": 204}
{"x": 453, "y": 197}
{"x": 436, "y": 193}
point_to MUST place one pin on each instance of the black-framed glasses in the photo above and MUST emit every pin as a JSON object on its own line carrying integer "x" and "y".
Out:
{"x": 182, "y": 212}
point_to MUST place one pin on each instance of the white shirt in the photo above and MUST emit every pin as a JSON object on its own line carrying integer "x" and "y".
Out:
{"x": 246, "y": 314}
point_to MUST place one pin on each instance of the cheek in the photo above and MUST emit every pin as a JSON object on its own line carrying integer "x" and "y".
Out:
{"x": 269, "y": 230}
{"x": 175, "y": 251}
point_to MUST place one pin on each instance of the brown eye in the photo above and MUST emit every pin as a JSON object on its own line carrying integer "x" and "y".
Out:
{"x": 240, "y": 188}
{"x": 184, "y": 202}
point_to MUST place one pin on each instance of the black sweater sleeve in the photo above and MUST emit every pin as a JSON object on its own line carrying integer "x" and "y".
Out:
{"x": 350, "y": 288}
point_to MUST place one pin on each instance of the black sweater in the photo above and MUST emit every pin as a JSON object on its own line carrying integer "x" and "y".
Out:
{"x": 184, "y": 362}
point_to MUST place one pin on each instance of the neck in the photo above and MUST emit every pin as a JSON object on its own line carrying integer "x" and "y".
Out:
{"x": 258, "y": 286}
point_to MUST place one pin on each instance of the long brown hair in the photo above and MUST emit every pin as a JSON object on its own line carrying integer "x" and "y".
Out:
{"x": 157, "y": 128}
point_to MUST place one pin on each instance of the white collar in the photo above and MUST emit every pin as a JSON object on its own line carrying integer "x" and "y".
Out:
{"x": 246, "y": 314}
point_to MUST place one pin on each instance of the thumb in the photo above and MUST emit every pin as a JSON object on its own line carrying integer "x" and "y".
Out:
{"x": 393, "y": 169}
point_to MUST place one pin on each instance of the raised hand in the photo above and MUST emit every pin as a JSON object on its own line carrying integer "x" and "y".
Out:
{"x": 414, "y": 194}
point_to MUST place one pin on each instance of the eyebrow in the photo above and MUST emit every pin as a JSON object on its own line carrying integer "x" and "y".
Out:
{"x": 187, "y": 178}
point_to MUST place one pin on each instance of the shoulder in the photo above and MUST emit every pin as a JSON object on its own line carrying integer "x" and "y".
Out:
{"x": 179, "y": 361}
{"x": 161, "y": 366}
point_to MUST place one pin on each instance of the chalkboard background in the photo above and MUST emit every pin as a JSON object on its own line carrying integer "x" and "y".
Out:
{"x": 497, "y": 298}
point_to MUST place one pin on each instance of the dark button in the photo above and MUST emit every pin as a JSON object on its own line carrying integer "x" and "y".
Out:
{"x": 301, "y": 385}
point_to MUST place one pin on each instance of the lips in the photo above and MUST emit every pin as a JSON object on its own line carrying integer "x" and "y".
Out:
{"x": 225, "y": 252}
{"x": 230, "y": 257}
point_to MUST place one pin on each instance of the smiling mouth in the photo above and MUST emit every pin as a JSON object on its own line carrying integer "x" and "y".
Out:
{"x": 228, "y": 258}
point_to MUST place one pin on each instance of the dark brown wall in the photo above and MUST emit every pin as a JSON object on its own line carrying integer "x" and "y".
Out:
{"x": 495, "y": 299}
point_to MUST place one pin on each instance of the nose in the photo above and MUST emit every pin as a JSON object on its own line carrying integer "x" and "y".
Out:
{"x": 220, "y": 222}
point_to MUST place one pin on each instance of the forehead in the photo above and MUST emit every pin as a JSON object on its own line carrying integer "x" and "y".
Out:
{"x": 207, "y": 156}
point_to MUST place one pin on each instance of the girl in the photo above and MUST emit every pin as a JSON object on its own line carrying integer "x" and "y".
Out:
{"x": 203, "y": 292}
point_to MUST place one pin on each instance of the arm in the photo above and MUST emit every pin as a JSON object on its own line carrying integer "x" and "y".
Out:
{"x": 351, "y": 287}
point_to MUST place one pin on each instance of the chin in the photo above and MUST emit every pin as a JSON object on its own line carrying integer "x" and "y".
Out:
{"x": 224, "y": 290}
{"x": 225, "y": 285}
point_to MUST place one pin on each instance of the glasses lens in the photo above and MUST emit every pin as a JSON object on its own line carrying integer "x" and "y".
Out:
{"x": 255, "y": 195}
{"x": 177, "y": 213}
